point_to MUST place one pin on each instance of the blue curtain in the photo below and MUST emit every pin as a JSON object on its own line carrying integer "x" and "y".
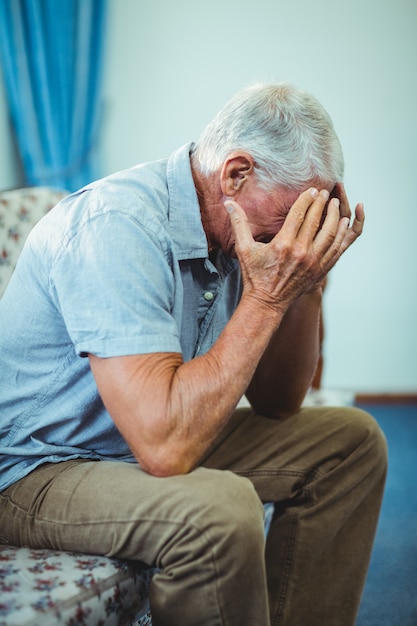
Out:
{"x": 51, "y": 53}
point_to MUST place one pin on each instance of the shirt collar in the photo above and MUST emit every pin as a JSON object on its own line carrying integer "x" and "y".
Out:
{"x": 184, "y": 210}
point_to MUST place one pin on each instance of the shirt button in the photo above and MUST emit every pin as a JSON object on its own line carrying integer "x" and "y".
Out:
{"x": 209, "y": 295}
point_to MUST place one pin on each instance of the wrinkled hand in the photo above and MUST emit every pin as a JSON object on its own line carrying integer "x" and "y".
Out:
{"x": 301, "y": 254}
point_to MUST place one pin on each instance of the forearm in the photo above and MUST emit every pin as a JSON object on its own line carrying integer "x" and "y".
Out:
{"x": 227, "y": 369}
{"x": 169, "y": 411}
{"x": 287, "y": 367}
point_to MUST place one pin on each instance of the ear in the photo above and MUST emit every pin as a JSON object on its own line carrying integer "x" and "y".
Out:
{"x": 235, "y": 172}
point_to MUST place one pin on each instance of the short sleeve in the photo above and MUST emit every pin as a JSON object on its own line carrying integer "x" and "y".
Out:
{"x": 114, "y": 284}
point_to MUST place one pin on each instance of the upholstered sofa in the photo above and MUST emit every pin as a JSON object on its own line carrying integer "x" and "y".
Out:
{"x": 20, "y": 209}
{"x": 42, "y": 587}
{"x": 45, "y": 587}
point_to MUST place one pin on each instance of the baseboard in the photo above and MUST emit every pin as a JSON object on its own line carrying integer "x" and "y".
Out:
{"x": 386, "y": 398}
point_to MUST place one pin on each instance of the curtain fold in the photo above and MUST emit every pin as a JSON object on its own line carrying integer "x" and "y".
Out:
{"x": 52, "y": 58}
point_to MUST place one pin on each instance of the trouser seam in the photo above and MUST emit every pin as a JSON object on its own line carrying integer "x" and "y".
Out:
{"x": 288, "y": 561}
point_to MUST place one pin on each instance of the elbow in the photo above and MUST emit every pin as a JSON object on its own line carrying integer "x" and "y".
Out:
{"x": 278, "y": 409}
{"x": 162, "y": 462}
{"x": 288, "y": 411}
{"x": 292, "y": 406}
{"x": 164, "y": 470}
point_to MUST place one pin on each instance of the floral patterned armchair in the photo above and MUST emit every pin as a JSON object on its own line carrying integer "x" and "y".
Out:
{"x": 47, "y": 588}
{"x": 44, "y": 587}
{"x": 20, "y": 209}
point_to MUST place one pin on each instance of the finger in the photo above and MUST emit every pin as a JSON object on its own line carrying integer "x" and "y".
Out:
{"x": 336, "y": 249}
{"x": 345, "y": 237}
{"x": 333, "y": 252}
{"x": 240, "y": 226}
{"x": 316, "y": 217}
{"x": 340, "y": 193}
{"x": 359, "y": 220}
{"x": 297, "y": 213}
{"x": 356, "y": 229}
{"x": 327, "y": 234}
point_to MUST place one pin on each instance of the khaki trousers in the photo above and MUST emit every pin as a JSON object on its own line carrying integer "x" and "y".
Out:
{"x": 324, "y": 468}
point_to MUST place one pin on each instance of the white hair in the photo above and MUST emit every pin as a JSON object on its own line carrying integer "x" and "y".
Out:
{"x": 287, "y": 132}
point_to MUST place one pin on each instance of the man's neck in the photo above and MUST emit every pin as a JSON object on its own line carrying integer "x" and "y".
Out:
{"x": 209, "y": 199}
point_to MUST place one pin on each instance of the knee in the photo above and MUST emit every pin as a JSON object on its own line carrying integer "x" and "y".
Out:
{"x": 373, "y": 434}
{"x": 368, "y": 438}
{"x": 231, "y": 509}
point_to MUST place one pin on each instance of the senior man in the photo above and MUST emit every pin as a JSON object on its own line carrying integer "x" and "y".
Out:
{"x": 142, "y": 308}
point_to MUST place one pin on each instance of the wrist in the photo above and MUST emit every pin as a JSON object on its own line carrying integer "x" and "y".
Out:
{"x": 263, "y": 312}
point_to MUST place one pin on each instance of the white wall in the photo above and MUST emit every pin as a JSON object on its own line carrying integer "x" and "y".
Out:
{"x": 172, "y": 64}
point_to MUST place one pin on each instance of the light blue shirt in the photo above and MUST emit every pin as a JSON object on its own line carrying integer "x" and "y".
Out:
{"x": 118, "y": 268}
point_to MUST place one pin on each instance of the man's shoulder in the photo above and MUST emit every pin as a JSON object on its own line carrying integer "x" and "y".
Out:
{"x": 143, "y": 185}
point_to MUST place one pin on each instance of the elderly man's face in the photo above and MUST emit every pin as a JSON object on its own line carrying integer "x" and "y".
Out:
{"x": 266, "y": 210}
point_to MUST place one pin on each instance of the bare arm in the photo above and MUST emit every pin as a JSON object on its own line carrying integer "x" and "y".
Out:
{"x": 286, "y": 368}
{"x": 170, "y": 411}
